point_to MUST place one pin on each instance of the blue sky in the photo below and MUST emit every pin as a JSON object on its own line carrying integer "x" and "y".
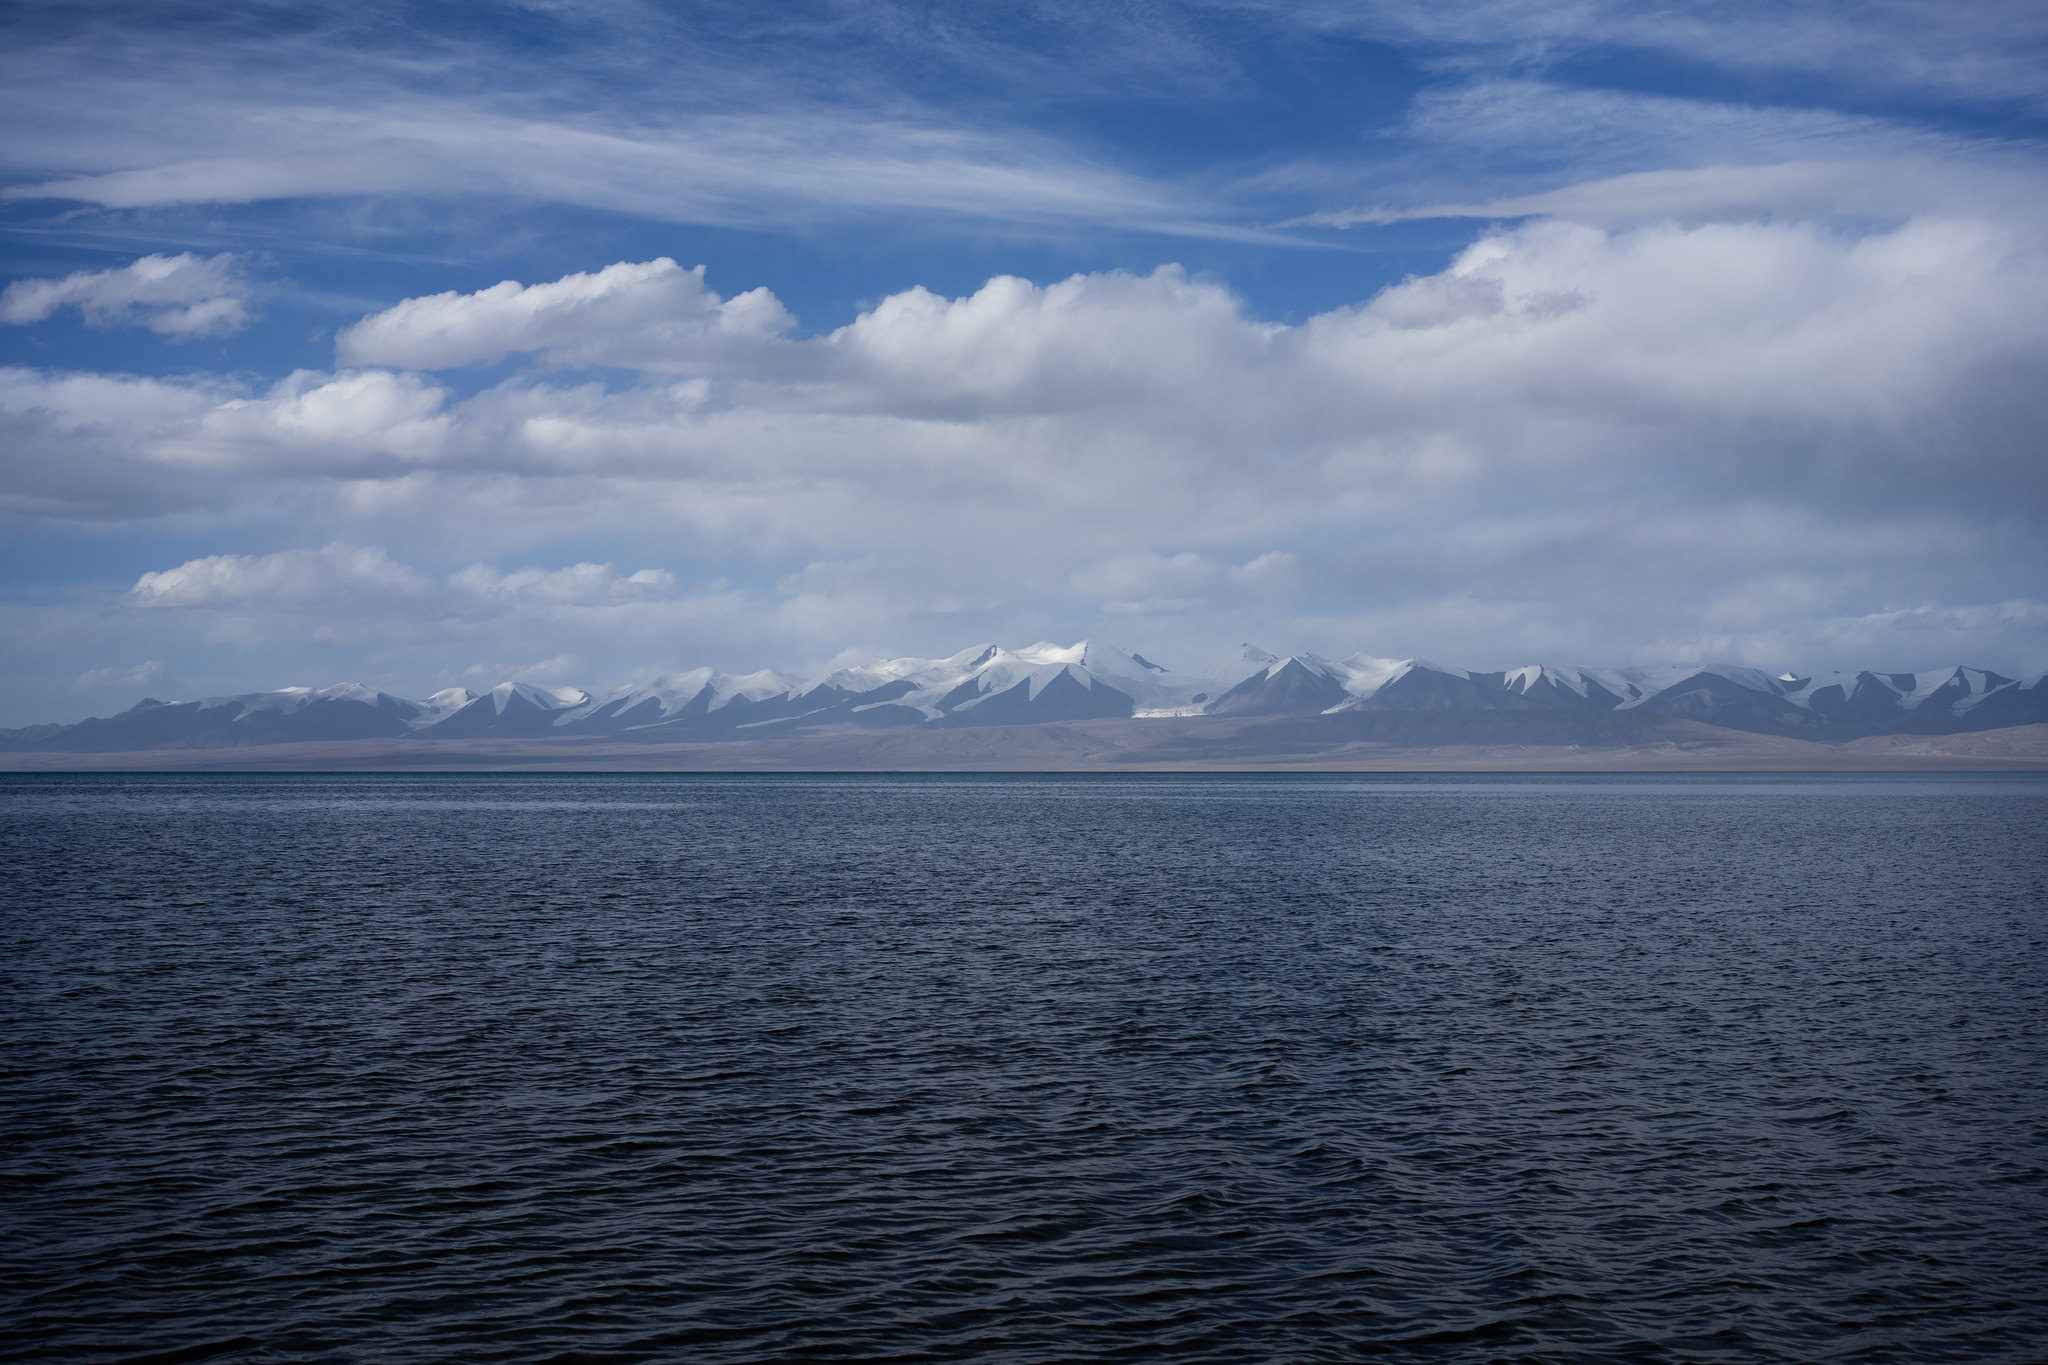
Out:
{"x": 1495, "y": 333}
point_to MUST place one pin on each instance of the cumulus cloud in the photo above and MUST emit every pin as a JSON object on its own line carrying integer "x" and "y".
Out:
{"x": 96, "y": 447}
{"x": 352, "y": 420}
{"x": 180, "y": 296}
{"x": 363, "y": 598}
{"x": 290, "y": 577}
{"x": 650, "y": 315}
{"x": 333, "y": 573}
{"x": 338, "y": 575}
{"x": 86, "y": 446}
{"x": 1595, "y": 442}
{"x": 579, "y": 584}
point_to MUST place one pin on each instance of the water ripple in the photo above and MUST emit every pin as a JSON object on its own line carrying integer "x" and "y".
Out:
{"x": 1023, "y": 1070}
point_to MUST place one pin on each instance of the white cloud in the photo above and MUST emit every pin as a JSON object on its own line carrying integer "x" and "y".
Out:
{"x": 119, "y": 678}
{"x": 1596, "y": 441}
{"x": 559, "y": 669}
{"x": 290, "y": 577}
{"x": 579, "y": 585}
{"x": 1764, "y": 381}
{"x": 336, "y": 574}
{"x": 1893, "y": 189}
{"x": 651, "y": 315}
{"x": 363, "y": 600}
{"x": 718, "y": 168}
{"x": 363, "y": 419}
{"x": 340, "y": 580}
{"x": 748, "y": 121}
{"x": 82, "y": 446}
{"x": 180, "y": 296}
{"x": 1973, "y": 52}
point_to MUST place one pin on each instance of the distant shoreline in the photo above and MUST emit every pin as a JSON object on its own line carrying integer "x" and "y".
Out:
{"x": 1193, "y": 745}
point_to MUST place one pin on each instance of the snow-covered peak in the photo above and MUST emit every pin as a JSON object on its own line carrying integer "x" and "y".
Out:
{"x": 441, "y": 705}
{"x": 1975, "y": 683}
{"x": 756, "y": 686}
{"x": 675, "y": 693}
{"x": 962, "y": 682}
{"x": 350, "y": 691}
{"x": 1530, "y": 675}
{"x": 545, "y": 698}
{"x": 922, "y": 672}
{"x": 1800, "y": 691}
{"x": 1364, "y": 674}
{"x": 1631, "y": 685}
{"x": 669, "y": 694}
{"x": 293, "y": 699}
{"x": 1046, "y": 652}
{"x": 1637, "y": 685}
{"x": 1959, "y": 688}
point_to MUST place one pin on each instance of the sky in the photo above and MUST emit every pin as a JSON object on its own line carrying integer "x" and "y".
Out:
{"x": 577, "y": 343}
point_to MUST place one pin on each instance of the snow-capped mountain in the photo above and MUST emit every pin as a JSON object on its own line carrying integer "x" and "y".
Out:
{"x": 1832, "y": 706}
{"x": 349, "y": 711}
{"x": 1045, "y": 682}
{"x": 508, "y": 709}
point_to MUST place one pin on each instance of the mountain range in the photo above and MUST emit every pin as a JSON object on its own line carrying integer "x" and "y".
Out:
{"x": 989, "y": 686}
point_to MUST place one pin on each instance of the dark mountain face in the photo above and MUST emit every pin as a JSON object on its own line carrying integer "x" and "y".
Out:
{"x": 149, "y": 724}
{"x": 1064, "y": 698}
{"x": 870, "y": 708}
{"x": 819, "y": 706}
{"x": 2013, "y": 706}
{"x": 617, "y": 717}
{"x": 328, "y": 718}
{"x": 1714, "y": 699}
{"x": 1867, "y": 701}
{"x": 1425, "y": 689}
{"x": 1290, "y": 690}
{"x": 1545, "y": 693}
{"x": 152, "y": 724}
{"x": 1938, "y": 708}
{"x": 520, "y": 719}
{"x": 1873, "y": 704}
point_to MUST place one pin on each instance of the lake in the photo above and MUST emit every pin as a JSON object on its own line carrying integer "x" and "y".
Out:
{"x": 1024, "y": 1068}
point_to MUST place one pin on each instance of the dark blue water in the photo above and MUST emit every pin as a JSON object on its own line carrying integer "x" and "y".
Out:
{"x": 1024, "y": 1069}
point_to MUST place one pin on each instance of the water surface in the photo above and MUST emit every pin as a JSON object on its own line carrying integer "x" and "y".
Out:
{"x": 1024, "y": 1068}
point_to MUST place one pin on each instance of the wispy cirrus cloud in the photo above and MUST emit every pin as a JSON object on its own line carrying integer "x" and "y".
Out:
{"x": 895, "y": 113}
{"x": 545, "y": 108}
{"x": 724, "y": 170}
{"x": 1979, "y": 53}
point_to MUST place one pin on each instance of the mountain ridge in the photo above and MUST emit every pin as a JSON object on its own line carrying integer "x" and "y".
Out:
{"x": 986, "y": 684}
